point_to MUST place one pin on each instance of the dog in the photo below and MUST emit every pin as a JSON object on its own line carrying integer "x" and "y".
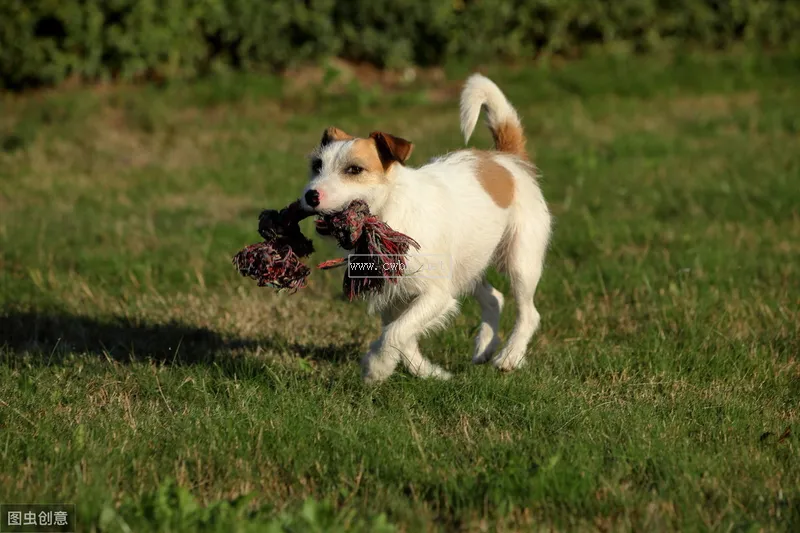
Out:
{"x": 474, "y": 207}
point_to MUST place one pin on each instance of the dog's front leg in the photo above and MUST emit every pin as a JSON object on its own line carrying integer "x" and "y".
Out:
{"x": 398, "y": 341}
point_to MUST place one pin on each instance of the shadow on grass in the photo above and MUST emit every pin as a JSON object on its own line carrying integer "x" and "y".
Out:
{"x": 45, "y": 339}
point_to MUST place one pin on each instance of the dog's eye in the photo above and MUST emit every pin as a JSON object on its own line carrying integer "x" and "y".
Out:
{"x": 316, "y": 166}
{"x": 354, "y": 170}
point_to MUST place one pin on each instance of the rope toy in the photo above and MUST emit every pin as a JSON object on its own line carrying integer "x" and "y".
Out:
{"x": 275, "y": 262}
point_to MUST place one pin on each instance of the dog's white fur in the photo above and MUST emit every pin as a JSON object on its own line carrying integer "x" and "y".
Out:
{"x": 445, "y": 208}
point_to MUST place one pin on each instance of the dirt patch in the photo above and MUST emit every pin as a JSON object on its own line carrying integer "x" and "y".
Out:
{"x": 340, "y": 74}
{"x": 711, "y": 105}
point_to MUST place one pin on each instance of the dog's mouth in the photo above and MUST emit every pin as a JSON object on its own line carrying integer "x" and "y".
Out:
{"x": 321, "y": 211}
{"x": 314, "y": 211}
{"x": 325, "y": 210}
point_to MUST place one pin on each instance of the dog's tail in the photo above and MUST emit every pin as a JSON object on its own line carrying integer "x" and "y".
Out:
{"x": 481, "y": 93}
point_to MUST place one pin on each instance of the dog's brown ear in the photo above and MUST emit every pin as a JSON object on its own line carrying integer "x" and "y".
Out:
{"x": 391, "y": 148}
{"x": 334, "y": 134}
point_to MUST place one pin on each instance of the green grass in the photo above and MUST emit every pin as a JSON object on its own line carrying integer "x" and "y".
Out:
{"x": 145, "y": 381}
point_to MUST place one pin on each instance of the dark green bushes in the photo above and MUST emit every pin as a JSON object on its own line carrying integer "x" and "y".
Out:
{"x": 46, "y": 41}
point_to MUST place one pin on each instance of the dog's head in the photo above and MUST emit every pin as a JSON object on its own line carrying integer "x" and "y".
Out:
{"x": 344, "y": 168}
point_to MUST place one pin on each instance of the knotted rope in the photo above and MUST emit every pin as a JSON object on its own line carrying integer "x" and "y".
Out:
{"x": 275, "y": 262}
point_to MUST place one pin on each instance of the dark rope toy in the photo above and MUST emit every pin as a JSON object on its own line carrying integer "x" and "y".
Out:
{"x": 275, "y": 262}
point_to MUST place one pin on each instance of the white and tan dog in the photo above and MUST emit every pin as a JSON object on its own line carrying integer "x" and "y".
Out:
{"x": 477, "y": 208}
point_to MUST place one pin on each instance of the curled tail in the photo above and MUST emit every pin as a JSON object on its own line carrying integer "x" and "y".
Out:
{"x": 481, "y": 93}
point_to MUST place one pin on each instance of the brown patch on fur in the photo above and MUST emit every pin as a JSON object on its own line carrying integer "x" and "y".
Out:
{"x": 510, "y": 138}
{"x": 334, "y": 134}
{"x": 495, "y": 179}
{"x": 365, "y": 154}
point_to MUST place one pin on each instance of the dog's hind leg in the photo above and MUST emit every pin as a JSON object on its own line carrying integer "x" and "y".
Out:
{"x": 398, "y": 341}
{"x": 488, "y": 338}
{"x": 524, "y": 265}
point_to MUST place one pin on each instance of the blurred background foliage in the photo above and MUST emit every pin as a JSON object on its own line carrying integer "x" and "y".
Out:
{"x": 44, "y": 42}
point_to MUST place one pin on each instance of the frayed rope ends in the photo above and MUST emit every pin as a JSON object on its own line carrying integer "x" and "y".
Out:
{"x": 276, "y": 261}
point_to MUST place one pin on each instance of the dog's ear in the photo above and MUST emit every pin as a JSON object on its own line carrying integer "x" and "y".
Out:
{"x": 391, "y": 148}
{"x": 334, "y": 134}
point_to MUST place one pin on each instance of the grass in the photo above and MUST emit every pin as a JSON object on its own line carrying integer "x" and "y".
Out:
{"x": 145, "y": 381}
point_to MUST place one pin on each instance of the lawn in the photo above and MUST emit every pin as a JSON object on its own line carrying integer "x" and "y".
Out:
{"x": 145, "y": 381}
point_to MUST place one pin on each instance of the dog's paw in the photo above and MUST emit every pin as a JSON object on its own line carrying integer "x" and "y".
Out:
{"x": 370, "y": 379}
{"x": 373, "y": 378}
{"x": 428, "y": 370}
{"x": 376, "y": 369}
{"x": 483, "y": 353}
{"x": 438, "y": 372}
{"x": 508, "y": 362}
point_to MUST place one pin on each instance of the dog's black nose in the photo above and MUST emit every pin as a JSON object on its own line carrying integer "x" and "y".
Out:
{"x": 312, "y": 198}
